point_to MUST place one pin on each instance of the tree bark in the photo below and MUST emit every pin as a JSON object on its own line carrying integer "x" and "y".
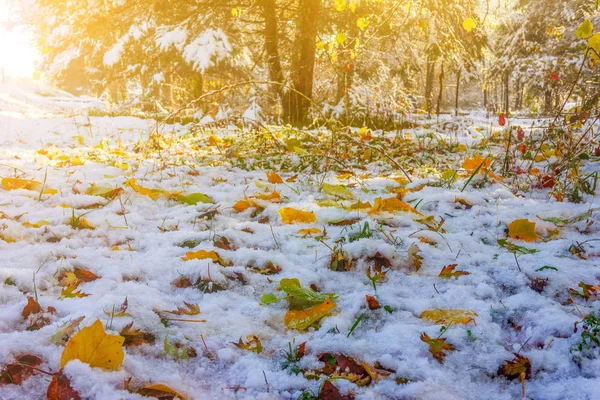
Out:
{"x": 441, "y": 93}
{"x": 297, "y": 102}
{"x": 506, "y": 93}
{"x": 458, "y": 73}
{"x": 429, "y": 84}
{"x": 272, "y": 45}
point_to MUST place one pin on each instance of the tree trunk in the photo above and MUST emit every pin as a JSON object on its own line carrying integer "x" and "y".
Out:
{"x": 297, "y": 102}
{"x": 458, "y": 73}
{"x": 429, "y": 84}
{"x": 272, "y": 45}
{"x": 441, "y": 93}
{"x": 506, "y": 93}
{"x": 548, "y": 100}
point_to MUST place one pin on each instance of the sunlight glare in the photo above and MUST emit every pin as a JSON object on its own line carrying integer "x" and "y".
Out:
{"x": 17, "y": 54}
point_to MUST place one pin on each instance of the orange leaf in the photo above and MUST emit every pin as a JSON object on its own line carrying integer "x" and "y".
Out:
{"x": 273, "y": 197}
{"x": 60, "y": 388}
{"x": 471, "y": 164}
{"x": 523, "y": 229}
{"x": 391, "y": 205}
{"x": 32, "y": 307}
{"x": 274, "y": 178}
{"x": 293, "y": 216}
{"x": 512, "y": 369}
{"x": 302, "y": 319}
{"x": 372, "y": 302}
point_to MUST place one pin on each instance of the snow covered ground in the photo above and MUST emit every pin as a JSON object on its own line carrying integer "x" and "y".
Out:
{"x": 135, "y": 249}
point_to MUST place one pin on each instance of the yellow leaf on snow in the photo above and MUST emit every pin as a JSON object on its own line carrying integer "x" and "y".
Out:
{"x": 302, "y": 319}
{"x": 273, "y": 197}
{"x": 523, "y": 229}
{"x": 415, "y": 259}
{"x": 310, "y": 231}
{"x": 93, "y": 346}
{"x": 16, "y": 183}
{"x": 469, "y": 24}
{"x": 471, "y": 164}
{"x": 201, "y": 255}
{"x": 448, "y": 316}
{"x": 243, "y": 205}
{"x": 160, "y": 391}
{"x": 272, "y": 177}
{"x": 293, "y": 216}
{"x": 38, "y": 224}
{"x": 338, "y": 191}
{"x": 152, "y": 193}
{"x": 391, "y": 205}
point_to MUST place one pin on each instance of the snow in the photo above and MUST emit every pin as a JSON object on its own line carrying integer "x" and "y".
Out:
{"x": 209, "y": 48}
{"x": 495, "y": 289}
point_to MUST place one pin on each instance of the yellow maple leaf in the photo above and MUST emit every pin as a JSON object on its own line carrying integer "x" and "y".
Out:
{"x": 302, "y": 319}
{"x": 469, "y": 24}
{"x": 17, "y": 183}
{"x": 523, "y": 229}
{"x": 273, "y": 197}
{"x": 293, "y": 216}
{"x": 152, "y": 193}
{"x": 93, "y": 346}
{"x": 201, "y": 255}
{"x": 448, "y": 316}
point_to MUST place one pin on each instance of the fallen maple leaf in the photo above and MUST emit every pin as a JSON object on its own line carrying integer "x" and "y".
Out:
{"x": 448, "y": 316}
{"x": 339, "y": 365}
{"x": 502, "y": 120}
{"x": 302, "y": 319}
{"x": 523, "y": 229}
{"x": 189, "y": 309}
{"x": 252, "y": 344}
{"x": 512, "y": 369}
{"x": 448, "y": 272}
{"x": 93, "y": 346}
{"x": 293, "y": 216}
{"x": 437, "y": 347}
{"x": 60, "y": 388}
{"x": 135, "y": 337}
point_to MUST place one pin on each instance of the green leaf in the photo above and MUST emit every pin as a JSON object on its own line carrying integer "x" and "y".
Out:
{"x": 545, "y": 267}
{"x": 194, "y": 198}
{"x": 585, "y": 29}
{"x": 338, "y": 191}
{"x": 513, "y": 248}
{"x": 268, "y": 298}
{"x": 594, "y": 44}
{"x": 302, "y": 298}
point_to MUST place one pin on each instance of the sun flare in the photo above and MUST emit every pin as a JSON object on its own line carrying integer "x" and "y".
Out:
{"x": 17, "y": 54}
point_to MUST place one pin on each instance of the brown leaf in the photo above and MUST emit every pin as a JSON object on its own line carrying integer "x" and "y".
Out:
{"x": 62, "y": 334}
{"x": 342, "y": 365}
{"x": 448, "y": 272}
{"x": 32, "y": 307}
{"x": 345, "y": 222}
{"x": 330, "y": 392}
{"x": 512, "y": 369}
{"x": 437, "y": 347}
{"x": 189, "y": 309}
{"x": 223, "y": 243}
{"x": 60, "y": 388}
{"x": 15, "y": 373}
{"x": 252, "y": 344}
{"x": 182, "y": 282}
{"x": 159, "y": 391}
{"x": 136, "y": 337}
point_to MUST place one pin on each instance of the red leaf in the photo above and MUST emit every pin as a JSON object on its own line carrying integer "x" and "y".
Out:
{"x": 372, "y": 302}
{"x": 18, "y": 371}
{"x": 502, "y": 120}
{"x": 547, "y": 181}
{"x": 330, "y": 392}
{"x": 60, "y": 388}
{"x": 554, "y": 77}
{"x": 520, "y": 134}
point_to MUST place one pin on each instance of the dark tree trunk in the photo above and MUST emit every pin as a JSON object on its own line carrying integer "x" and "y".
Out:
{"x": 548, "y": 100}
{"x": 272, "y": 45}
{"x": 441, "y": 93}
{"x": 458, "y": 73}
{"x": 298, "y": 101}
